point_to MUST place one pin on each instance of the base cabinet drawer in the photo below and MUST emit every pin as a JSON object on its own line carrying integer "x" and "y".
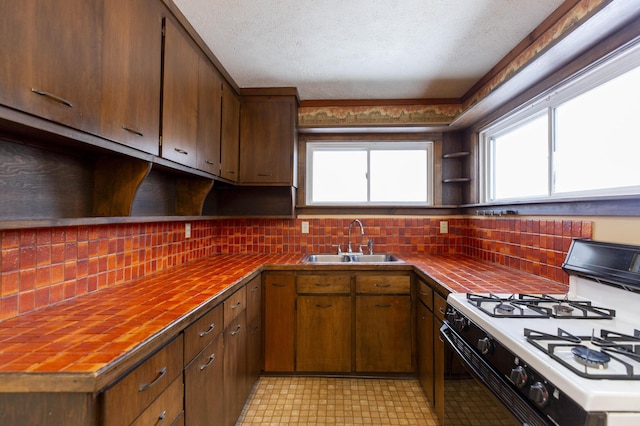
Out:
{"x": 204, "y": 381}
{"x": 166, "y": 408}
{"x": 128, "y": 398}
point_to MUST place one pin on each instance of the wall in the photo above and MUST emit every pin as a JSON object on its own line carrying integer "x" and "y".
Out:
{"x": 41, "y": 267}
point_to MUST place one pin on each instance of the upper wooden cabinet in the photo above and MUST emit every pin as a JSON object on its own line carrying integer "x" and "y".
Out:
{"x": 230, "y": 135}
{"x": 51, "y": 61}
{"x": 130, "y": 109}
{"x": 209, "y": 116}
{"x": 180, "y": 97}
{"x": 268, "y": 139}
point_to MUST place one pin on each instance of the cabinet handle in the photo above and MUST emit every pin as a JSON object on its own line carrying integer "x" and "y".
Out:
{"x": 423, "y": 293}
{"x": 279, "y": 284}
{"x": 382, "y": 285}
{"x": 146, "y": 386}
{"x": 236, "y": 331}
{"x": 265, "y": 174}
{"x": 383, "y": 306}
{"x": 161, "y": 418}
{"x": 328, "y": 305}
{"x": 231, "y": 171}
{"x": 130, "y": 130}
{"x": 181, "y": 151}
{"x": 254, "y": 330}
{"x": 255, "y": 288}
{"x": 235, "y": 306}
{"x": 211, "y": 327}
{"x": 209, "y": 162}
{"x": 211, "y": 359}
{"x": 52, "y": 97}
{"x": 441, "y": 311}
{"x": 322, "y": 284}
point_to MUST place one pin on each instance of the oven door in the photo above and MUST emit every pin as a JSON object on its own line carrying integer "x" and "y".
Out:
{"x": 474, "y": 393}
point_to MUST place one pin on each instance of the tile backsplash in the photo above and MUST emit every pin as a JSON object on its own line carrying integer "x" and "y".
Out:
{"x": 40, "y": 267}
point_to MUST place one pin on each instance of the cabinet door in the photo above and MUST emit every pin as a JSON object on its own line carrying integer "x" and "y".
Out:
{"x": 424, "y": 333}
{"x": 383, "y": 334}
{"x": 209, "y": 110}
{"x": 267, "y": 138}
{"x": 180, "y": 97}
{"x": 203, "y": 380}
{"x": 132, "y": 63}
{"x": 254, "y": 325}
{"x": 51, "y": 60}
{"x": 279, "y": 322}
{"x": 235, "y": 368}
{"x": 230, "y": 137}
{"x": 323, "y": 336}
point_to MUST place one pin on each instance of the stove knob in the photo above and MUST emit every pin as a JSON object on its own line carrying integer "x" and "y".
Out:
{"x": 519, "y": 376}
{"x": 538, "y": 394}
{"x": 452, "y": 315}
{"x": 485, "y": 346}
{"x": 461, "y": 324}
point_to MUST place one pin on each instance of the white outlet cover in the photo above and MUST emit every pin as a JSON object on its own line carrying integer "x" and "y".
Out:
{"x": 187, "y": 230}
{"x": 444, "y": 227}
{"x": 304, "y": 227}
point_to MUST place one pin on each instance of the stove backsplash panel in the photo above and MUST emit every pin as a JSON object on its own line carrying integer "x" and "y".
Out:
{"x": 40, "y": 267}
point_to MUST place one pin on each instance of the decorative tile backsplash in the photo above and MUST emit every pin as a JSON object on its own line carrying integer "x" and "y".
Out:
{"x": 39, "y": 267}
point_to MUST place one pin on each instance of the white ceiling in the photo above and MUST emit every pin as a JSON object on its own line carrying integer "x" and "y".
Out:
{"x": 363, "y": 49}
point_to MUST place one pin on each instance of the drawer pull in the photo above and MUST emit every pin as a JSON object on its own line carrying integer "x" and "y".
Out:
{"x": 423, "y": 293}
{"x": 211, "y": 359}
{"x": 209, "y": 162}
{"x": 231, "y": 171}
{"x": 52, "y": 97}
{"x": 161, "y": 418}
{"x": 181, "y": 151}
{"x": 383, "y": 285}
{"x": 236, "y": 305}
{"x": 322, "y": 284}
{"x": 204, "y": 333}
{"x": 383, "y": 306}
{"x": 254, "y": 330}
{"x": 130, "y": 130}
{"x": 255, "y": 288}
{"x": 265, "y": 174}
{"x": 328, "y": 305}
{"x": 161, "y": 374}
{"x": 441, "y": 311}
{"x": 279, "y": 284}
{"x": 236, "y": 331}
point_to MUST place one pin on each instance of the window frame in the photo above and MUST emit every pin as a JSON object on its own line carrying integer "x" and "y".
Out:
{"x": 312, "y": 146}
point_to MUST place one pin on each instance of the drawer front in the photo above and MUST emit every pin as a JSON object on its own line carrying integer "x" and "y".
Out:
{"x": 440, "y": 306}
{"x": 166, "y": 408}
{"x": 425, "y": 294}
{"x": 383, "y": 284}
{"x": 234, "y": 305}
{"x": 340, "y": 284}
{"x": 202, "y": 332}
{"x": 135, "y": 392}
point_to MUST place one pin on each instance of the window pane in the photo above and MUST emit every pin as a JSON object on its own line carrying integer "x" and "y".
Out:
{"x": 521, "y": 161}
{"x": 399, "y": 176}
{"x": 597, "y": 142}
{"x": 339, "y": 176}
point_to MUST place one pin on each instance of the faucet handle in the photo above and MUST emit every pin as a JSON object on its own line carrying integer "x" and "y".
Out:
{"x": 370, "y": 246}
{"x": 339, "y": 249}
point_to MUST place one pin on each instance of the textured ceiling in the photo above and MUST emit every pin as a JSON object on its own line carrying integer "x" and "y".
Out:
{"x": 363, "y": 49}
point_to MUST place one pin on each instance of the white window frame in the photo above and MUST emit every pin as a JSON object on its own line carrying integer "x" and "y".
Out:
{"x": 599, "y": 73}
{"x": 314, "y": 146}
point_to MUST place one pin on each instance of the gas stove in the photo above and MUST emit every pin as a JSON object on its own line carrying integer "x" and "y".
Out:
{"x": 569, "y": 358}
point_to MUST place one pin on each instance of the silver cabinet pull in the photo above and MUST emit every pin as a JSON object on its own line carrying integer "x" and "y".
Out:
{"x": 209, "y": 162}
{"x": 204, "y": 333}
{"x": 236, "y": 305}
{"x": 52, "y": 97}
{"x": 146, "y": 386}
{"x": 236, "y": 331}
{"x": 255, "y": 288}
{"x": 441, "y": 311}
{"x": 328, "y": 305}
{"x": 130, "y": 130}
{"x": 265, "y": 174}
{"x": 211, "y": 359}
{"x": 181, "y": 151}
{"x": 423, "y": 293}
{"x": 161, "y": 418}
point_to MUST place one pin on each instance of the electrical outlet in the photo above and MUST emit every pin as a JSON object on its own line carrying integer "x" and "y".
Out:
{"x": 444, "y": 227}
{"x": 187, "y": 230}
{"x": 304, "y": 227}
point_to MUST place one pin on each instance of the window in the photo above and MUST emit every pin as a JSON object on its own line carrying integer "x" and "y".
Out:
{"x": 581, "y": 140}
{"x": 369, "y": 173}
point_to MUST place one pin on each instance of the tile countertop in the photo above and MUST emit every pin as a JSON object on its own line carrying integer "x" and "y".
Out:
{"x": 80, "y": 345}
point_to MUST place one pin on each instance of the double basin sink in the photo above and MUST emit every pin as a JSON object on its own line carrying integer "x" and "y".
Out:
{"x": 350, "y": 258}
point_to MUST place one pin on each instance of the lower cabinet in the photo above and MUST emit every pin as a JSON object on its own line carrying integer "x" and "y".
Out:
{"x": 279, "y": 322}
{"x": 254, "y": 330}
{"x": 235, "y": 368}
{"x": 424, "y": 336}
{"x": 440, "y": 305}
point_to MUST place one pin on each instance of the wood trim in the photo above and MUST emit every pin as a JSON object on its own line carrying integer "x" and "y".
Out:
{"x": 376, "y": 102}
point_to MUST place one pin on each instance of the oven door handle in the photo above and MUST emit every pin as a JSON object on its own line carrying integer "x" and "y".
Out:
{"x": 497, "y": 384}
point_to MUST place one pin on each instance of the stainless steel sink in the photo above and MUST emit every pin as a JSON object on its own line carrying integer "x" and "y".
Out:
{"x": 350, "y": 258}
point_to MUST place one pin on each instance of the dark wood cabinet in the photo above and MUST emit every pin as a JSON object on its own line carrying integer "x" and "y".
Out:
{"x": 235, "y": 367}
{"x": 425, "y": 347}
{"x": 131, "y": 74}
{"x": 209, "y": 117}
{"x": 254, "y": 329}
{"x": 439, "y": 304}
{"x": 180, "y": 97}
{"x": 279, "y": 322}
{"x": 268, "y": 140}
{"x": 52, "y": 64}
{"x": 230, "y": 135}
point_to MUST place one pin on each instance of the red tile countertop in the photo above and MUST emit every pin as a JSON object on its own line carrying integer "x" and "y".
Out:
{"x": 84, "y": 338}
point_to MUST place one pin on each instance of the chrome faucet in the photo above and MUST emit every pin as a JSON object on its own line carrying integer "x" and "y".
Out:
{"x": 349, "y": 250}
